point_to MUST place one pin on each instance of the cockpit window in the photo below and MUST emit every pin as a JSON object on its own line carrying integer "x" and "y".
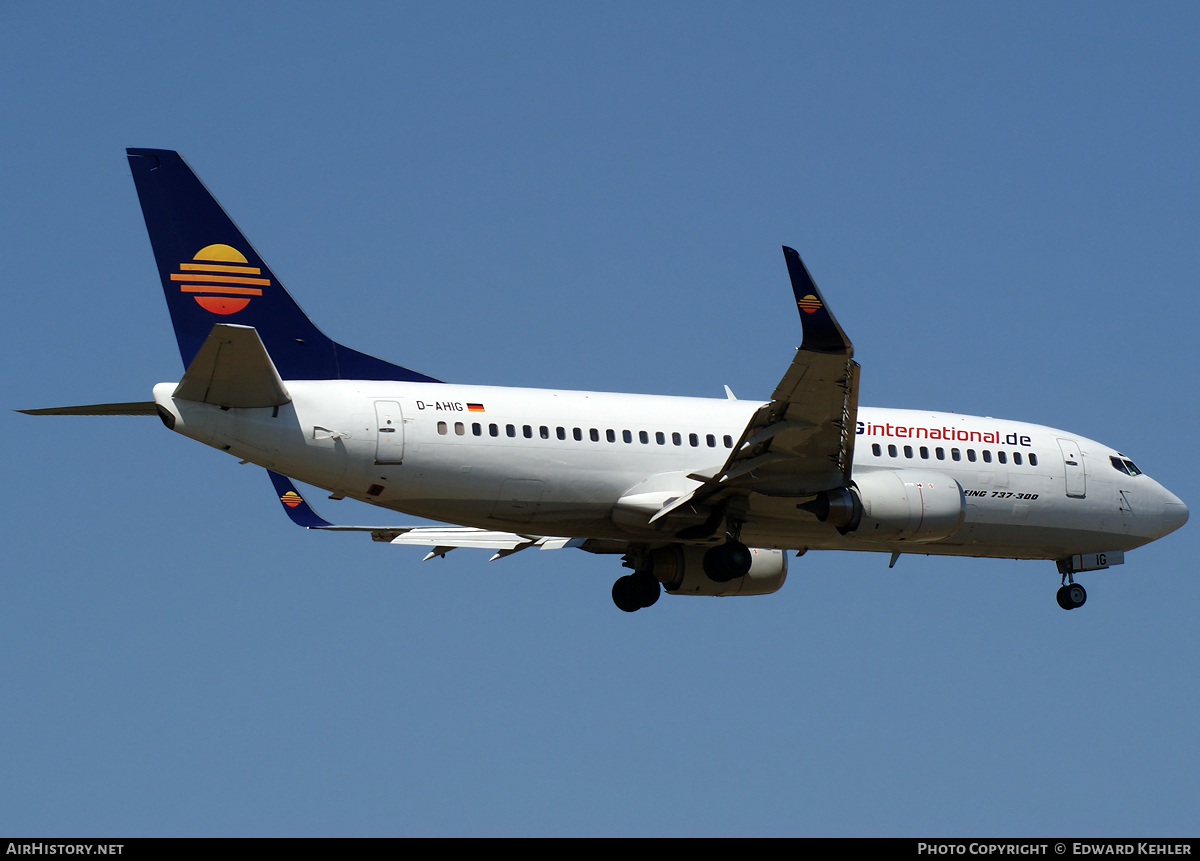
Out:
{"x": 1133, "y": 470}
{"x": 1119, "y": 465}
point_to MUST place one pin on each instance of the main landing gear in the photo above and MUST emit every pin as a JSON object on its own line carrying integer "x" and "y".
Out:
{"x": 635, "y": 591}
{"x": 730, "y": 560}
{"x": 727, "y": 561}
{"x": 1071, "y": 595}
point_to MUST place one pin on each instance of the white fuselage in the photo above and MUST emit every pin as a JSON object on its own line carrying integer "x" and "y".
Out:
{"x": 597, "y": 465}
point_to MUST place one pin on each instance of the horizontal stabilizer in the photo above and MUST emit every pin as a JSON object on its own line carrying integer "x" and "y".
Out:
{"x": 137, "y": 408}
{"x": 232, "y": 369}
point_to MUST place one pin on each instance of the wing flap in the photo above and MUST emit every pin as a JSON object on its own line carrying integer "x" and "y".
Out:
{"x": 442, "y": 539}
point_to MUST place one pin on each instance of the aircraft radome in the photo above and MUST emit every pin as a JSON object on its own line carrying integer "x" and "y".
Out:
{"x": 696, "y": 496}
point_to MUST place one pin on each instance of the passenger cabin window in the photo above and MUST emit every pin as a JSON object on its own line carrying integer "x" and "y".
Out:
{"x": 987, "y": 456}
{"x": 891, "y": 451}
{"x": 511, "y": 430}
{"x": 595, "y": 434}
{"x": 971, "y": 455}
{"x": 611, "y": 435}
{"x": 460, "y": 428}
{"x": 876, "y": 450}
{"x": 728, "y": 440}
{"x": 940, "y": 452}
{"x": 711, "y": 440}
{"x": 477, "y": 429}
{"x": 924, "y": 453}
{"x": 693, "y": 440}
{"x": 660, "y": 438}
{"x": 578, "y": 434}
{"x": 908, "y": 451}
{"x": 627, "y": 436}
{"x": 1002, "y": 457}
{"x": 676, "y": 439}
{"x": 561, "y": 433}
{"x": 643, "y": 437}
{"x": 493, "y": 430}
{"x": 544, "y": 432}
{"x": 441, "y": 427}
{"x": 1032, "y": 459}
{"x": 955, "y": 454}
{"x": 528, "y": 431}
{"x": 1017, "y": 458}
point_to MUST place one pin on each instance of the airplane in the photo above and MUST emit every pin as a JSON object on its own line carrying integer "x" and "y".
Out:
{"x": 697, "y": 496}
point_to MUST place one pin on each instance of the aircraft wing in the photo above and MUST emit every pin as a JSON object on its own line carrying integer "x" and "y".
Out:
{"x": 802, "y": 441}
{"x": 442, "y": 539}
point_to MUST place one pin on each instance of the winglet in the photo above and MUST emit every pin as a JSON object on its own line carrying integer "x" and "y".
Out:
{"x": 294, "y": 505}
{"x": 822, "y": 334}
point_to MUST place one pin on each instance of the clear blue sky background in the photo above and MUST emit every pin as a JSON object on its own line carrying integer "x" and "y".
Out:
{"x": 999, "y": 201}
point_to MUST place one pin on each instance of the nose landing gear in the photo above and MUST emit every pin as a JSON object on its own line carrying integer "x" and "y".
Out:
{"x": 1071, "y": 595}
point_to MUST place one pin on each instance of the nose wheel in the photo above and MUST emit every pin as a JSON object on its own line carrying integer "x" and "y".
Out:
{"x": 1071, "y": 595}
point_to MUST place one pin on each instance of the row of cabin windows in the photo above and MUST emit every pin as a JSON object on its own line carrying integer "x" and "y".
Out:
{"x": 955, "y": 454}
{"x": 593, "y": 433}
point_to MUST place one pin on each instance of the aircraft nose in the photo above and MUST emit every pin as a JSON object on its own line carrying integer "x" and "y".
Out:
{"x": 1175, "y": 514}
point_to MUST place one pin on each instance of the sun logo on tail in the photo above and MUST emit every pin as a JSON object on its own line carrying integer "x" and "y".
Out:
{"x": 809, "y": 304}
{"x": 217, "y": 283}
{"x": 291, "y": 499}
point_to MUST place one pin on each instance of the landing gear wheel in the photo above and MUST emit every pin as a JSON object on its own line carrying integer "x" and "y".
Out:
{"x": 727, "y": 561}
{"x": 1076, "y": 595}
{"x": 1071, "y": 596}
{"x": 626, "y": 594}
{"x": 645, "y": 587}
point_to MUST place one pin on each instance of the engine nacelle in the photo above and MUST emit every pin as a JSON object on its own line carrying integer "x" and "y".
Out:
{"x": 680, "y": 568}
{"x": 914, "y": 505}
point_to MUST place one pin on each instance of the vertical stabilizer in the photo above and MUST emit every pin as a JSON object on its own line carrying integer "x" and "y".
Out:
{"x": 211, "y": 274}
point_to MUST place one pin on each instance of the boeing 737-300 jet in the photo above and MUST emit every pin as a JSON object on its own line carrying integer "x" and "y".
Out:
{"x": 697, "y": 496}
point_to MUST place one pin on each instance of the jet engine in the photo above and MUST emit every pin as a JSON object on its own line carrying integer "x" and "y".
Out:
{"x": 914, "y": 505}
{"x": 680, "y": 568}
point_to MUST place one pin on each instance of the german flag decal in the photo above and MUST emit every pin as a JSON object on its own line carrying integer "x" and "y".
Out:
{"x": 291, "y": 499}
{"x": 809, "y": 304}
{"x": 475, "y": 408}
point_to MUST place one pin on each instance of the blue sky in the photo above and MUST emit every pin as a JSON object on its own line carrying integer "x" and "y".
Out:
{"x": 999, "y": 202}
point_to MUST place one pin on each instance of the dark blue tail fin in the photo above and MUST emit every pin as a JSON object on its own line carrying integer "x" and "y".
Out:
{"x": 211, "y": 274}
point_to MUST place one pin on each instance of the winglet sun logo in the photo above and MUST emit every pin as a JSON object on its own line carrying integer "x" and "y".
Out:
{"x": 291, "y": 499}
{"x": 809, "y": 304}
{"x": 214, "y": 274}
